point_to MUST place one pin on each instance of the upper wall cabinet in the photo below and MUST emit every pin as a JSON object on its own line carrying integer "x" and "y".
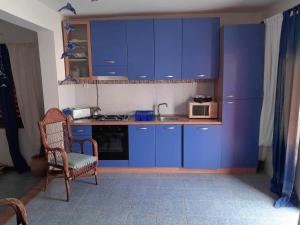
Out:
{"x": 78, "y": 64}
{"x": 243, "y": 61}
{"x": 140, "y": 42}
{"x": 200, "y": 48}
{"x": 168, "y": 49}
{"x": 109, "y": 47}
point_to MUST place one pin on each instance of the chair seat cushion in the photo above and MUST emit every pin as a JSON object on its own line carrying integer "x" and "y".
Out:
{"x": 76, "y": 160}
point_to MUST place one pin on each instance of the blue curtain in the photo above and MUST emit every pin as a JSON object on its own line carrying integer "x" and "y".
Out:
{"x": 285, "y": 143}
{"x": 8, "y": 108}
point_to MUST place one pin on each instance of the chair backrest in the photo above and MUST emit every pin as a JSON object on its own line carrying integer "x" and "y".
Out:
{"x": 19, "y": 209}
{"x": 55, "y": 130}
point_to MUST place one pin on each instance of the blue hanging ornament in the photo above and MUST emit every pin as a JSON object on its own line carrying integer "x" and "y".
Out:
{"x": 72, "y": 46}
{"x": 69, "y": 28}
{"x": 66, "y": 53}
{"x": 69, "y": 78}
{"x": 68, "y": 7}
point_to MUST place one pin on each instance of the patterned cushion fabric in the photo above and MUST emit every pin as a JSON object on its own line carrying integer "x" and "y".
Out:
{"x": 76, "y": 160}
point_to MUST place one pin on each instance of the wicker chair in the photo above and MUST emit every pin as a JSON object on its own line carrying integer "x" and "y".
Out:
{"x": 19, "y": 209}
{"x": 57, "y": 140}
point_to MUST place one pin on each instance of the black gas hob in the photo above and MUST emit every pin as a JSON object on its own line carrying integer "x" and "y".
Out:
{"x": 111, "y": 117}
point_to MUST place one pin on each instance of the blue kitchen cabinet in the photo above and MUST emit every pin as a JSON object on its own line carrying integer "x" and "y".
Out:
{"x": 200, "y": 48}
{"x": 140, "y": 41}
{"x": 168, "y": 49}
{"x": 81, "y": 132}
{"x": 202, "y": 146}
{"x": 141, "y": 146}
{"x": 240, "y": 133}
{"x": 243, "y": 64}
{"x": 109, "y": 45}
{"x": 168, "y": 145}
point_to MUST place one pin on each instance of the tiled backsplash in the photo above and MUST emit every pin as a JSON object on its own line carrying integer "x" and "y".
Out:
{"x": 126, "y": 98}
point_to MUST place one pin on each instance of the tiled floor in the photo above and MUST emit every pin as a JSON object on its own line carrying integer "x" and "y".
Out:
{"x": 161, "y": 199}
{"x": 15, "y": 185}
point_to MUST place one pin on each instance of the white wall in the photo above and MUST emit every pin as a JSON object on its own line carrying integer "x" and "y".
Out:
{"x": 127, "y": 98}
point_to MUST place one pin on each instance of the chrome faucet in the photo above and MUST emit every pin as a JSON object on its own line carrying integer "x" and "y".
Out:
{"x": 158, "y": 107}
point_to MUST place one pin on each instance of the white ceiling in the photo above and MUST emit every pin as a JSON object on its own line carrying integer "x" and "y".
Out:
{"x": 112, "y": 7}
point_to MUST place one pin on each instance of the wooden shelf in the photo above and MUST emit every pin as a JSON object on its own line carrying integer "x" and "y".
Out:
{"x": 77, "y": 60}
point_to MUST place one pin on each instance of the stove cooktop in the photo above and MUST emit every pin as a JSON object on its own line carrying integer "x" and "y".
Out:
{"x": 111, "y": 117}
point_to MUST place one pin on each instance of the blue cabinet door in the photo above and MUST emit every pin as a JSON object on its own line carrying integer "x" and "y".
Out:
{"x": 140, "y": 41}
{"x": 108, "y": 40}
{"x": 168, "y": 49}
{"x": 141, "y": 146}
{"x": 81, "y": 132}
{"x": 200, "y": 48}
{"x": 240, "y": 133}
{"x": 201, "y": 146}
{"x": 168, "y": 145}
{"x": 243, "y": 61}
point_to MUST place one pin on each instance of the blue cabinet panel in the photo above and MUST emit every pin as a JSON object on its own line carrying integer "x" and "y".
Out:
{"x": 168, "y": 49}
{"x": 168, "y": 145}
{"x": 140, "y": 41}
{"x": 141, "y": 146}
{"x": 243, "y": 61}
{"x": 108, "y": 40}
{"x": 200, "y": 48}
{"x": 113, "y": 163}
{"x": 81, "y": 130}
{"x": 109, "y": 70}
{"x": 87, "y": 146}
{"x": 240, "y": 133}
{"x": 201, "y": 146}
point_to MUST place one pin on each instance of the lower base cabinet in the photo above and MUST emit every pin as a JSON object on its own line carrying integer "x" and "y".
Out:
{"x": 202, "y": 146}
{"x": 168, "y": 146}
{"x": 141, "y": 146}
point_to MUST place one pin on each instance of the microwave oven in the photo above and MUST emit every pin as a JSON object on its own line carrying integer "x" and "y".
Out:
{"x": 205, "y": 110}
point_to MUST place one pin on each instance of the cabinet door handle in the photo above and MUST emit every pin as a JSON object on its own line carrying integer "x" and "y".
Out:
{"x": 169, "y": 76}
{"x": 111, "y": 73}
{"x": 170, "y": 128}
{"x": 143, "y": 128}
{"x": 200, "y": 75}
{"x": 80, "y": 131}
{"x": 142, "y": 76}
{"x": 110, "y": 61}
{"x": 231, "y": 102}
{"x": 230, "y": 96}
{"x": 203, "y": 128}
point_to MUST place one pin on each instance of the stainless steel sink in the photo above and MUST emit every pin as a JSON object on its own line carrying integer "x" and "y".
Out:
{"x": 167, "y": 118}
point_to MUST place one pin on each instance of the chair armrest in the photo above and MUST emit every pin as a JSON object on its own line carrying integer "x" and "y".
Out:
{"x": 63, "y": 155}
{"x": 19, "y": 209}
{"x": 81, "y": 142}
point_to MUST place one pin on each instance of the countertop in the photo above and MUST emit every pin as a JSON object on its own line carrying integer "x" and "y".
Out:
{"x": 182, "y": 120}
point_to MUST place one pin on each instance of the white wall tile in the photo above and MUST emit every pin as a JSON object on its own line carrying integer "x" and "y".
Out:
{"x": 127, "y": 98}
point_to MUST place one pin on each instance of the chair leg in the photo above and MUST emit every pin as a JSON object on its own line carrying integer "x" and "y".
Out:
{"x": 96, "y": 178}
{"x": 67, "y": 183}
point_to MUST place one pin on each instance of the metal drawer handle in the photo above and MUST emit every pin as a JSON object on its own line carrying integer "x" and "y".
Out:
{"x": 111, "y": 73}
{"x": 169, "y": 76}
{"x": 203, "y": 128}
{"x": 110, "y": 61}
{"x": 170, "y": 128}
{"x": 230, "y": 96}
{"x": 80, "y": 131}
{"x": 231, "y": 102}
{"x": 143, "y": 128}
{"x": 142, "y": 76}
{"x": 200, "y": 75}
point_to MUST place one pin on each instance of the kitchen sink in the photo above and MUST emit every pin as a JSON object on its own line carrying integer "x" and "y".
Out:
{"x": 168, "y": 118}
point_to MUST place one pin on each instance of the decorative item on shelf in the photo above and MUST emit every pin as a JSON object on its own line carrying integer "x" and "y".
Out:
{"x": 69, "y": 28}
{"x": 69, "y": 78}
{"x": 68, "y": 7}
{"x": 66, "y": 53}
{"x": 72, "y": 46}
